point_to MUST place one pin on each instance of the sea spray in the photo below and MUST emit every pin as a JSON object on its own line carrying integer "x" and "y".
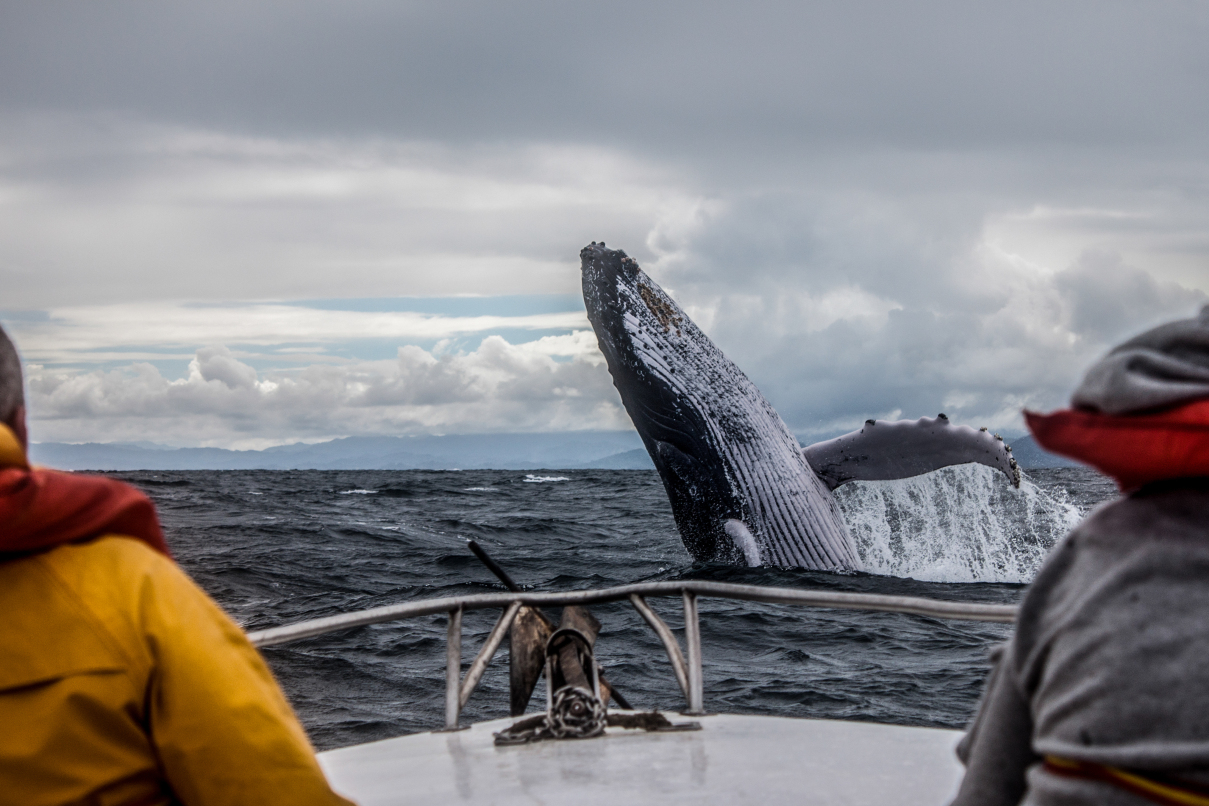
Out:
{"x": 959, "y": 524}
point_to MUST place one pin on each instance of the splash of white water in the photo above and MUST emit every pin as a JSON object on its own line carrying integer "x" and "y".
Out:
{"x": 959, "y": 524}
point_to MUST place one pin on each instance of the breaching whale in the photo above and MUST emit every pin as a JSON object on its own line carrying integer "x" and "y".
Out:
{"x": 742, "y": 490}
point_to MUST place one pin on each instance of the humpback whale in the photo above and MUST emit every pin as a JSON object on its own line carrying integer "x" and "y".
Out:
{"x": 742, "y": 490}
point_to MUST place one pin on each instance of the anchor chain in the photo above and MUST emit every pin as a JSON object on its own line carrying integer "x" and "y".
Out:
{"x": 575, "y": 714}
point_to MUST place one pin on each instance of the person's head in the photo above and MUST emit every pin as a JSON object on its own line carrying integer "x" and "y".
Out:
{"x": 1141, "y": 414}
{"x": 12, "y": 388}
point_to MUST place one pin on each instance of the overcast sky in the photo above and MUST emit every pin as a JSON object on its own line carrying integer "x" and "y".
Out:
{"x": 242, "y": 224}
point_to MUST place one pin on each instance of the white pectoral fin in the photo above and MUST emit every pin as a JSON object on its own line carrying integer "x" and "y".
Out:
{"x": 745, "y": 540}
{"x": 903, "y": 448}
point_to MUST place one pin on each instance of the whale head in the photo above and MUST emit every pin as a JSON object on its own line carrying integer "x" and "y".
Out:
{"x": 639, "y": 328}
{"x": 740, "y": 489}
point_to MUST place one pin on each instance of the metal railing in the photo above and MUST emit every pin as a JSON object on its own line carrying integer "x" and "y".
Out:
{"x": 688, "y": 671}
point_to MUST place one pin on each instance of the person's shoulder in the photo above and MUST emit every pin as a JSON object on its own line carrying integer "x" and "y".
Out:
{"x": 88, "y": 596}
{"x": 114, "y": 575}
{"x": 108, "y": 558}
{"x": 1158, "y": 514}
{"x": 1155, "y": 536}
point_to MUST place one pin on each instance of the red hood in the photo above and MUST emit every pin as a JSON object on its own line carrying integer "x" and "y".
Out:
{"x": 40, "y": 509}
{"x": 1135, "y": 449}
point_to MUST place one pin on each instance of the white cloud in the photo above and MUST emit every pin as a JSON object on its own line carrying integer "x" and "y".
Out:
{"x": 555, "y": 383}
{"x": 79, "y": 334}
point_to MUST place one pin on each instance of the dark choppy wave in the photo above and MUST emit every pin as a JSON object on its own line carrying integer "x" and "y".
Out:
{"x": 274, "y": 547}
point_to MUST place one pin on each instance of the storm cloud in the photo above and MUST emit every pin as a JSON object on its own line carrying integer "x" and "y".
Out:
{"x": 673, "y": 76}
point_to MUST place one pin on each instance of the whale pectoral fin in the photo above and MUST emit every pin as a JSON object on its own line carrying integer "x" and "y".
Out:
{"x": 903, "y": 448}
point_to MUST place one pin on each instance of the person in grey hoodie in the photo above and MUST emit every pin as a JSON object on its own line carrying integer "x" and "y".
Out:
{"x": 1102, "y": 694}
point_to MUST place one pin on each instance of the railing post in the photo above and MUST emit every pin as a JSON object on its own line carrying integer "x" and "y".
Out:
{"x": 453, "y": 669}
{"x": 669, "y": 642}
{"x": 475, "y": 673}
{"x": 692, "y": 641}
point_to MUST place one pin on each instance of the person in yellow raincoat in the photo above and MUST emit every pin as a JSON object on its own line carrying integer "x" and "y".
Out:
{"x": 121, "y": 682}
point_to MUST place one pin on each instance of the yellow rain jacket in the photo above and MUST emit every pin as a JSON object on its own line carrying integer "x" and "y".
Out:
{"x": 123, "y": 684}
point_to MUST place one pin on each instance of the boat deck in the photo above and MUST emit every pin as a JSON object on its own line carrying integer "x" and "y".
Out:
{"x": 732, "y": 760}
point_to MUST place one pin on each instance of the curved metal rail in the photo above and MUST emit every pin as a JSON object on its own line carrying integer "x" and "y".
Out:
{"x": 688, "y": 672}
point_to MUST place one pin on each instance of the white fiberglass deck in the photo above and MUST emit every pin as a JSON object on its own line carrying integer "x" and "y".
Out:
{"x": 732, "y": 760}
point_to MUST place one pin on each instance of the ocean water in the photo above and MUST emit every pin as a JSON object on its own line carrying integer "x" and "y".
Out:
{"x": 276, "y": 547}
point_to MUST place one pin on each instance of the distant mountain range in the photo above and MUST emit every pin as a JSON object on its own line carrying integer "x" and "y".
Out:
{"x": 614, "y": 450}
{"x": 608, "y": 450}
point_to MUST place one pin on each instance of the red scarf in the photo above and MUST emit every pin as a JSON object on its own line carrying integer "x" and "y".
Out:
{"x": 1134, "y": 449}
{"x": 40, "y": 509}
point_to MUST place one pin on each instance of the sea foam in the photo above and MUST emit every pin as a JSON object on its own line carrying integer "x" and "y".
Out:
{"x": 959, "y": 524}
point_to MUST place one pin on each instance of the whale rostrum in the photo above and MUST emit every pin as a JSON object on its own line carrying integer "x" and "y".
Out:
{"x": 742, "y": 489}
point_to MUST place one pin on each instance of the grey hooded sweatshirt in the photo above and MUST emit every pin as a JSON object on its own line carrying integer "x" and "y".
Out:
{"x": 1109, "y": 662}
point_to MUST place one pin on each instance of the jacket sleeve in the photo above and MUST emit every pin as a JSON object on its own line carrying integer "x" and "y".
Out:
{"x": 997, "y": 750}
{"x": 223, "y": 730}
